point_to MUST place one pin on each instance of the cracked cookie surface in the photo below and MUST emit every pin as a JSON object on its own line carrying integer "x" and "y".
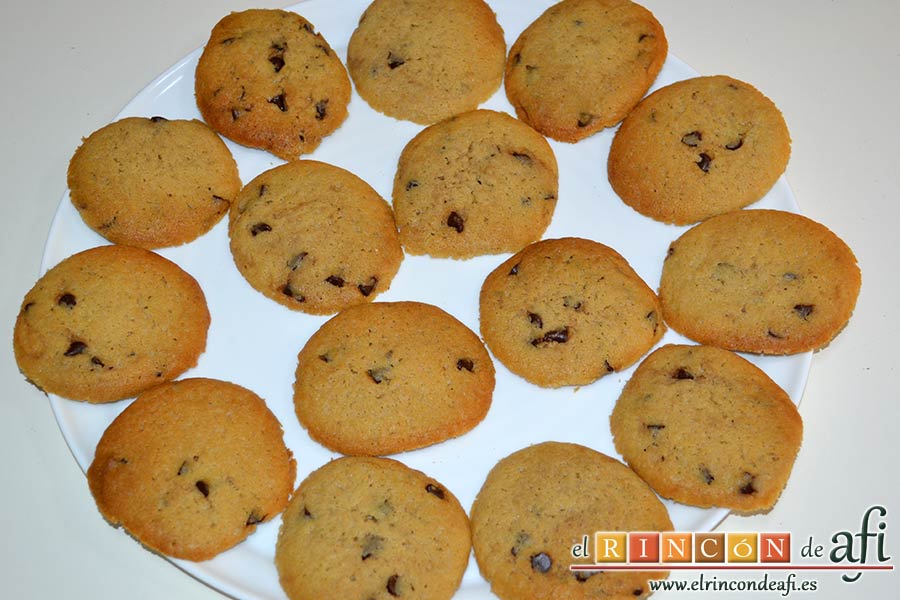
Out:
{"x": 110, "y": 322}
{"x": 698, "y": 148}
{"x": 362, "y": 527}
{"x": 567, "y": 312}
{"x": 388, "y": 377}
{"x": 191, "y": 467}
{"x": 762, "y": 281}
{"x": 478, "y": 183}
{"x": 582, "y": 65}
{"x": 426, "y": 60}
{"x": 152, "y": 182}
{"x": 537, "y": 502}
{"x": 705, "y": 427}
{"x": 314, "y": 237}
{"x": 266, "y": 79}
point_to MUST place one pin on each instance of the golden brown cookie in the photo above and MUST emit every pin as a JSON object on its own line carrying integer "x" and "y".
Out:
{"x": 109, "y": 323}
{"x": 191, "y": 467}
{"x": 567, "y": 312}
{"x": 582, "y": 65}
{"x": 763, "y": 281}
{"x": 698, "y": 148}
{"x": 152, "y": 182}
{"x": 426, "y": 60}
{"x": 538, "y": 502}
{"x": 387, "y": 377}
{"x": 478, "y": 183}
{"x": 267, "y": 79}
{"x": 362, "y": 527}
{"x": 314, "y": 237}
{"x": 705, "y": 427}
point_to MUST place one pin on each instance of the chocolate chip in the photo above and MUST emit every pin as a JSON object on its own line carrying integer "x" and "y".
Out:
{"x": 184, "y": 468}
{"x": 75, "y": 348}
{"x": 670, "y": 251}
{"x": 321, "y": 109}
{"x": 277, "y": 62}
{"x": 582, "y": 576}
{"x": 651, "y": 316}
{"x": 747, "y": 487}
{"x": 372, "y": 544}
{"x": 367, "y": 288}
{"x": 379, "y": 374}
{"x": 203, "y": 487}
{"x": 158, "y": 119}
{"x": 557, "y": 336}
{"x": 517, "y": 59}
{"x": 325, "y": 358}
{"x": 309, "y": 28}
{"x": 637, "y": 592}
{"x": 643, "y": 37}
{"x": 66, "y": 300}
{"x": 774, "y": 334}
{"x": 97, "y": 361}
{"x": 521, "y": 539}
{"x": 324, "y": 49}
{"x": 704, "y": 162}
{"x": 707, "y": 475}
{"x": 465, "y": 363}
{"x": 585, "y": 119}
{"x": 218, "y": 198}
{"x": 263, "y": 189}
{"x": 295, "y": 262}
{"x": 535, "y": 319}
{"x": 682, "y": 373}
{"x": 609, "y": 367}
{"x": 522, "y": 157}
{"x": 392, "y": 585}
{"x": 236, "y": 113}
{"x": 456, "y": 222}
{"x": 412, "y": 183}
{"x": 258, "y": 228}
{"x": 692, "y": 139}
{"x": 514, "y": 270}
{"x": 435, "y": 490}
{"x": 541, "y": 562}
{"x": 804, "y": 310}
{"x": 335, "y": 281}
{"x": 655, "y": 428}
{"x": 570, "y": 302}
{"x": 280, "y": 101}
{"x": 288, "y": 291}
{"x": 306, "y": 514}
{"x": 394, "y": 61}
{"x": 735, "y": 144}
{"x": 253, "y": 519}
{"x": 27, "y": 306}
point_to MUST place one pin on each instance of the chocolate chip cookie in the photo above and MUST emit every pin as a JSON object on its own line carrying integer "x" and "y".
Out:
{"x": 582, "y": 65}
{"x": 567, "y": 312}
{"x": 705, "y": 427}
{"x": 109, "y": 323}
{"x": 387, "y": 377}
{"x": 426, "y": 60}
{"x": 314, "y": 237}
{"x": 152, "y": 182}
{"x": 267, "y": 79}
{"x": 538, "y": 502}
{"x": 478, "y": 183}
{"x": 764, "y": 281}
{"x": 698, "y": 148}
{"x": 362, "y": 527}
{"x": 191, "y": 467}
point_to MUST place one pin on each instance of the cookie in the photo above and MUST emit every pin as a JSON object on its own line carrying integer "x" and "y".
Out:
{"x": 583, "y": 65}
{"x": 191, "y": 467}
{"x": 267, "y": 79}
{"x": 698, "y": 148}
{"x": 108, "y": 323}
{"x": 152, "y": 182}
{"x": 762, "y": 281}
{"x": 362, "y": 527}
{"x": 314, "y": 237}
{"x": 478, "y": 183}
{"x": 426, "y": 60}
{"x": 388, "y": 377}
{"x": 567, "y": 312}
{"x": 705, "y": 427}
{"x": 538, "y": 502}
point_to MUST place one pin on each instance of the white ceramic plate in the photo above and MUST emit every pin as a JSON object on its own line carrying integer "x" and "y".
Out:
{"x": 254, "y": 342}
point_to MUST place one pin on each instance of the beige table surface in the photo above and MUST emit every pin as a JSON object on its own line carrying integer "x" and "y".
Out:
{"x": 833, "y": 67}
